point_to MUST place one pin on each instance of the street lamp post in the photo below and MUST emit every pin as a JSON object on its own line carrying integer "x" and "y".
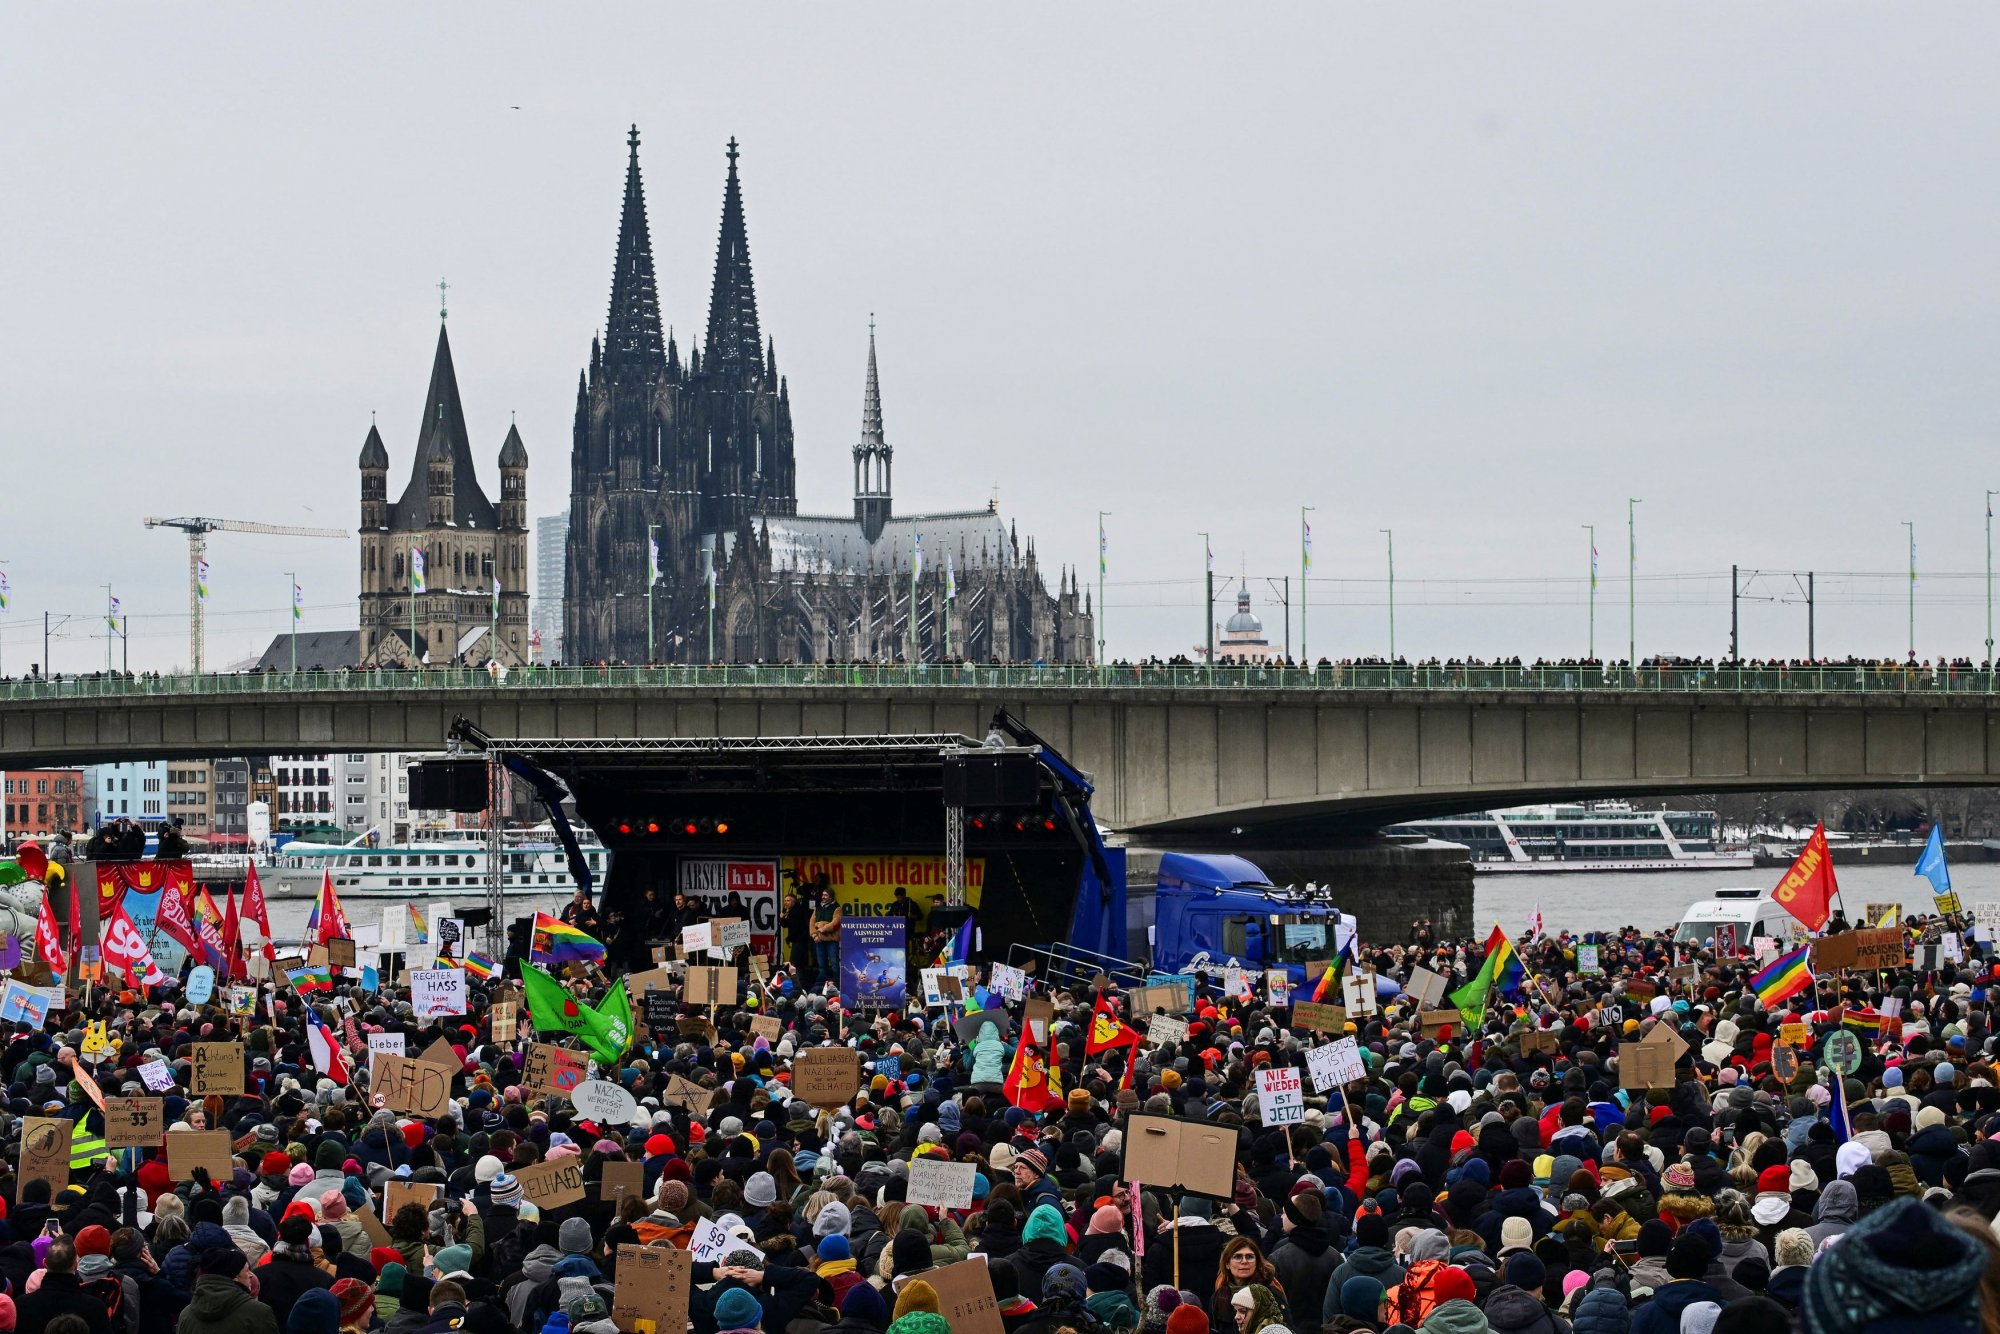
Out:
{"x": 1102, "y": 561}
{"x": 1390, "y": 533}
{"x": 1591, "y": 528}
{"x": 1631, "y": 585}
{"x": 1208, "y": 597}
{"x": 1910, "y": 527}
{"x": 1305, "y": 573}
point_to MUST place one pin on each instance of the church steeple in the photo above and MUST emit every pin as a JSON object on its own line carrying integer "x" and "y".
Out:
{"x": 632, "y": 334}
{"x": 873, "y": 457}
{"x": 734, "y": 344}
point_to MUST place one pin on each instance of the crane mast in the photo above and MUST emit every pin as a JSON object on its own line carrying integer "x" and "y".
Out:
{"x": 197, "y": 529}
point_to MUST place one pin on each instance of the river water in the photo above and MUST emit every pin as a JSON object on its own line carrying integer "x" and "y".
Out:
{"x": 1589, "y": 901}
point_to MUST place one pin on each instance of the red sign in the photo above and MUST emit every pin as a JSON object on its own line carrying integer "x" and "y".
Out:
{"x": 114, "y": 878}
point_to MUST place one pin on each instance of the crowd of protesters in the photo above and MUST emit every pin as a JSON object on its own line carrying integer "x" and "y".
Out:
{"x": 1488, "y": 1174}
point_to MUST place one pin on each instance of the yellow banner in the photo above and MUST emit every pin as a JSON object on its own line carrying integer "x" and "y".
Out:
{"x": 865, "y": 885}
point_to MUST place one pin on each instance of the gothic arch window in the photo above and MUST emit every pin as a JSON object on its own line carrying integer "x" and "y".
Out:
{"x": 399, "y": 565}
{"x": 742, "y": 640}
{"x": 486, "y": 566}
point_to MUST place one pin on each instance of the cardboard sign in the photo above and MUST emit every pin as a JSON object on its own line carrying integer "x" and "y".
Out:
{"x": 45, "y": 1152}
{"x": 695, "y": 1026}
{"x": 1164, "y": 1030}
{"x": 133, "y": 1123}
{"x": 218, "y": 1068}
{"x": 377, "y": 1234}
{"x": 1190, "y": 1155}
{"x": 504, "y": 1023}
{"x": 1538, "y": 1039}
{"x": 696, "y": 938}
{"x": 340, "y": 953}
{"x": 1879, "y": 949}
{"x": 1036, "y": 1013}
{"x": 687, "y": 1093}
{"x": 437, "y": 992}
{"x": 441, "y": 1055}
{"x": 1281, "y": 1096}
{"x": 1319, "y": 1018}
{"x": 1875, "y": 912}
{"x": 189, "y": 1149}
{"x": 1434, "y": 1022}
{"x": 604, "y": 1102}
{"x": 1646, "y": 1065}
{"x": 965, "y": 1296}
{"x": 712, "y": 986}
{"x": 397, "y": 1194}
{"x": 1424, "y": 987}
{"x": 940, "y": 1184}
{"x": 1335, "y": 1063}
{"x": 766, "y": 1026}
{"x": 553, "y": 1184}
{"x": 1357, "y": 994}
{"x": 1146, "y": 1000}
{"x": 826, "y": 1076}
{"x": 622, "y": 1179}
{"x": 729, "y": 933}
{"x": 554, "y": 1070}
{"x": 242, "y": 1001}
{"x": 1012, "y": 982}
{"x": 1795, "y": 1035}
{"x": 1784, "y": 1062}
{"x": 653, "y": 979}
{"x": 651, "y": 1296}
{"x": 414, "y": 1087}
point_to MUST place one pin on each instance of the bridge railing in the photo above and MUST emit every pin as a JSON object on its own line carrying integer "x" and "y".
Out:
{"x": 1886, "y": 679}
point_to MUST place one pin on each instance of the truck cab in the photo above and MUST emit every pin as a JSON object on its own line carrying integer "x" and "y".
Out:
{"x": 1214, "y": 910}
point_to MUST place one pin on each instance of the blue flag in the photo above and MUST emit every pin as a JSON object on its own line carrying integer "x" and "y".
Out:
{"x": 1931, "y": 864}
{"x": 1836, "y": 1109}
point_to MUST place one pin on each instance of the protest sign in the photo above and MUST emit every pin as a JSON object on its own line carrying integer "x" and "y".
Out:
{"x": 1142, "y": 1001}
{"x": 826, "y": 1076}
{"x": 965, "y": 1296}
{"x": 1875, "y": 912}
{"x": 730, "y": 933}
{"x": 651, "y": 1296}
{"x": 767, "y": 1026}
{"x": 1192, "y": 1155}
{"x": 440, "y": 1054}
{"x": 189, "y": 1149}
{"x": 218, "y": 1068}
{"x": 1425, "y": 987}
{"x": 340, "y": 953}
{"x": 1434, "y": 1022}
{"x": 711, "y": 986}
{"x": 1357, "y": 994}
{"x": 201, "y": 984}
{"x": 372, "y": 1225}
{"x": 437, "y": 992}
{"x": 1319, "y": 1018}
{"x": 414, "y": 1087}
{"x": 391, "y": 1043}
{"x": 695, "y": 938}
{"x": 940, "y": 1184}
{"x": 552, "y": 1184}
{"x": 1886, "y": 948}
{"x": 396, "y": 1194}
{"x": 45, "y": 1151}
{"x": 556, "y": 1070}
{"x": 1010, "y": 981}
{"x": 1795, "y": 1035}
{"x": 1538, "y": 1039}
{"x": 242, "y": 1001}
{"x": 621, "y": 1179}
{"x": 133, "y": 1123}
{"x": 710, "y": 1243}
{"x": 156, "y": 1076}
{"x": 1278, "y": 987}
{"x": 687, "y": 1093}
{"x": 1646, "y": 1065}
{"x": 503, "y": 1022}
{"x": 602, "y": 1101}
{"x": 1164, "y": 1030}
{"x": 1281, "y": 1098}
{"x": 1334, "y": 1064}
{"x": 1586, "y": 959}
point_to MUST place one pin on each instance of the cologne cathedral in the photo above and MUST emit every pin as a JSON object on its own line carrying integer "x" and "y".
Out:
{"x": 682, "y": 483}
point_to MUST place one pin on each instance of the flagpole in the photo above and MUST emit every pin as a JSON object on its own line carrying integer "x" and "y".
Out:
{"x": 1101, "y": 560}
{"x": 1591, "y": 528}
{"x": 1208, "y": 602}
{"x": 416, "y": 553}
{"x": 1305, "y": 567}
{"x": 1391, "y": 535}
{"x": 652, "y": 577}
{"x": 1989, "y": 592}
{"x": 110, "y": 628}
{"x": 1911, "y": 527}
{"x": 292, "y": 578}
{"x": 1631, "y": 585}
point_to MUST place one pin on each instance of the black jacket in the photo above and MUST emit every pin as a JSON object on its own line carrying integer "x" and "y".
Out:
{"x": 284, "y": 1280}
{"x": 61, "y": 1294}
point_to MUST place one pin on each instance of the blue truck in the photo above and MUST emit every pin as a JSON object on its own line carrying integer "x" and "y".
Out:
{"x": 1215, "y": 909}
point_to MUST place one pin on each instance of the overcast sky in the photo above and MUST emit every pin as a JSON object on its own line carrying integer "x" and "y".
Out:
{"x": 1477, "y": 274}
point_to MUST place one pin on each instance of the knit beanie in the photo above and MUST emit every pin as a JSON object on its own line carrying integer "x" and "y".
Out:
{"x": 909, "y": 1253}
{"x": 834, "y": 1248}
{"x": 357, "y": 1303}
{"x": 1159, "y": 1304}
{"x": 734, "y": 1309}
{"x": 1900, "y": 1267}
{"x": 916, "y": 1295}
{"x": 505, "y": 1191}
{"x": 390, "y": 1284}
{"x": 574, "y": 1239}
{"x": 1187, "y": 1318}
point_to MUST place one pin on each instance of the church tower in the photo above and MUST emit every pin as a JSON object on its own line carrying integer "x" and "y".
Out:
{"x": 873, "y": 457}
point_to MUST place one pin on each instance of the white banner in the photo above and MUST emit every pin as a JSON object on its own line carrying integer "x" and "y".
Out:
{"x": 1281, "y": 1097}
{"x": 437, "y": 992}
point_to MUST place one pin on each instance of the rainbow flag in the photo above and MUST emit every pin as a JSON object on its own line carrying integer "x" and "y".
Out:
{"x": 1502, "y": 972}
{"x": 1327, "y": 986}
{"x": 1785, "y": 977}
{"x": 1862, "y": 1020}
{"x": 556, "y": 941}
{"x": 313, "y": 977}
{"x": 420, "y": 930}
{"x": 479, "y": 965}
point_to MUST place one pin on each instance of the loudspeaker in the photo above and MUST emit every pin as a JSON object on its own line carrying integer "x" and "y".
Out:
{"x": 991, "y": 781}
{"x": 448, "y": 785}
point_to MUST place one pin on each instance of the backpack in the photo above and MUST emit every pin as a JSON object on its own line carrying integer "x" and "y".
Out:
{"x": 1416, "y": 1297}
{"x": 109, "y": 1289}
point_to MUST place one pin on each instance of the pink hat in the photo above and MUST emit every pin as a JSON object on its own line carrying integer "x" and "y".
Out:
{"x": 332, "y": 1204}
{"x": 301, "y": 1173}
{"x": 1574, "y": 1279}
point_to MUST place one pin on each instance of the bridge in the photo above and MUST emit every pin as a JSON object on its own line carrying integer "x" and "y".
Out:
{"x": 1279, "y": 755}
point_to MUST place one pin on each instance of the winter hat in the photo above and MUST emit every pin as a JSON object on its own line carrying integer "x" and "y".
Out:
{"x": 390, "y": 1284}
{"x": 453, "y": 1260}
{"x": 761, "y": 1190}
{"x": 332, "y": 1205}
{"x": 1523, "y": 1270}
{"x": 357, "y": 1303}
{"x": 1106, "y": 1221}
{"x": 505, "y": 1190}
{"x": 384, "y": 1256}
{"x": 94, "y": 1240}
{"x": 833, "y": 1218}
{"x": 1678, "y": 1177}
{"x": 301, "y": 1173}
{"x": 1453, "y": 1283}
{"x": 275, "y": 1164}
{"x": 734, "y": 1309}
{"x": 1688, "y": 1257}
{"x": 834, "y": 1247}
{"x": 1516, "y": 1234}
{"x": 1794, "y": 1247}
{"x": 1899, "y": 1267}
{"x": 909, "y": 1253}
{"x": 7, "y": 1314}
{"x": 916, "y": 1295}
{"x": 1105, "y": 1277}
{"x": 317, "y": 1311}
{"x": 486, "y": 1169}
{"x": 1699, "y": 1317}
{"x": 574, "y": 1239}
{"x": 864, "y": 1303}
{"x": 1187, "y": 1318}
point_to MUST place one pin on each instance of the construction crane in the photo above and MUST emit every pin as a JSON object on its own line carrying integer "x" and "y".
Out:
{"x": 197, "y": 530}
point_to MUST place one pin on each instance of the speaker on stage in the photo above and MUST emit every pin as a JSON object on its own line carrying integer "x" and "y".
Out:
{"x": 448, "y": 785}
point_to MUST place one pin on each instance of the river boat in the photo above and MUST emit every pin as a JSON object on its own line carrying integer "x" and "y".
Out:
{"x": 1598, "y": 836}
{"x": 444, "y": 864}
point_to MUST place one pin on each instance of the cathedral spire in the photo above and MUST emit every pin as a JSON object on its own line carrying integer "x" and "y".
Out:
{"x": 632, "y": 335}
{"x": 734, "y": 344}
{"x": 871, "y": 397}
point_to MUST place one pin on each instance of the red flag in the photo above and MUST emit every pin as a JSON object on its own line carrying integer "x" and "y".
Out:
{"x": 254, "y": 909}
{"x": 232, "y": 941}
{"x": 1107, "y": 1030}
{"x": 332, "y": 921}
{"x": 174, "y": 918}
{"x": 125, "y": 950}
{"x": 1032, "y": 1084}
{"x": 48, "y": 939}
{"x": 1808, "y": 888}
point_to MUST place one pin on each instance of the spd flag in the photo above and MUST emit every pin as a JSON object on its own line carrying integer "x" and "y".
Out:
{"x": 1808, "y": 888}
{"x": 1033, "y": 1084}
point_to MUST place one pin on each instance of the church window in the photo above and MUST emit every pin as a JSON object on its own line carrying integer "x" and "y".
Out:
{"x": 399, "y": 566}
{"x": 486, "y": 566}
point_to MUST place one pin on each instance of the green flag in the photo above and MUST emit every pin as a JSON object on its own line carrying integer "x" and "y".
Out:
{"x": 606, "y": 1030}
{"x": 1470, "y": 999}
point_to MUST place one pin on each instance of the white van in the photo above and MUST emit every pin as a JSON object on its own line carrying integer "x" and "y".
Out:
{"x": 1753, "y": 912}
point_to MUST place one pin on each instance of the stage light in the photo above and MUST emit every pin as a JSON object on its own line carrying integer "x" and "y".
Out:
{"x": 624, "y": 828}
{"x": 1049, "y": 825}
{"x": 652, "y": 826}
{"x": 722, "y": 826}
{"x": 690, "y": 828}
